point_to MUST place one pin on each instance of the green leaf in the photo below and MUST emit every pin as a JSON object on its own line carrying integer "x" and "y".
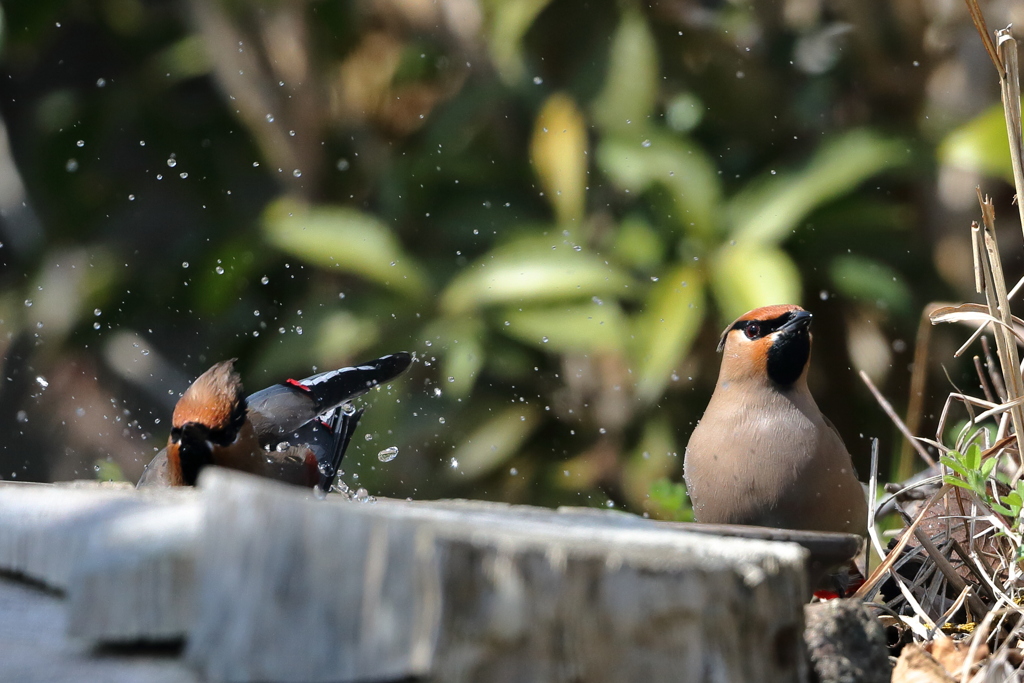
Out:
{"x": 987, "y": 466}
{"x": 1013, "y": 498}
{"x": 668, "y": 500}
{"x": 558, "y": 150}
{"x": 588, "y": 328}
{"x": 464, "y": 355}
{"x": 509, "y": 22}
{"x": 666, "y": 329}
{"x": 956, "y": 482}
{"x": 769, "y": 209}
{"x": 346, "y": 239}
{"x": 870, "y": 281}
{"x": 650, "y": 156}
{"x": 746, "y": 276}
{"x": 952, "y": 461}
{"x": 533, "y": 271}
{"x": 1006, "y": 512}
{"x": 653, "y": 459}
{"x": 977, "y": 483}
{"x": 980, "y": 145}
{"x": 972, "y": 458}
{"x": 494, "y": 442}
{"x": 107, "y": 470}
{"x": 631, "y": 86}
{"x": 340, "y": 336}
{"x": 637, "y": 244}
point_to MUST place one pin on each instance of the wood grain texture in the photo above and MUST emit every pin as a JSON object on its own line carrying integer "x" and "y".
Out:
{"x": 293, "y": 589}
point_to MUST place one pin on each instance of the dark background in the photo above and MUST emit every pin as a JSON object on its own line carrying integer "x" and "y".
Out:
{"x": 514, "y": 190}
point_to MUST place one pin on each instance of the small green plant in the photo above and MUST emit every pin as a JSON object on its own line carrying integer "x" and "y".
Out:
{"x": 970, "y": 472}
{"x": 668, "y": 500}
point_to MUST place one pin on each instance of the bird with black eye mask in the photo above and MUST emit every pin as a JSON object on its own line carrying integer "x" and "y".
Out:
{"x": 763, "y": 453}
{"x": 296, "y": 431}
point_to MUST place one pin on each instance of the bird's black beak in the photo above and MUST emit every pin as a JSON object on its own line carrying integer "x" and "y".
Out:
{"x": 798, "y": 320}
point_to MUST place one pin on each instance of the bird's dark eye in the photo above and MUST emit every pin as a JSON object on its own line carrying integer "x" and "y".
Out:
{"x": 752, "y": 330}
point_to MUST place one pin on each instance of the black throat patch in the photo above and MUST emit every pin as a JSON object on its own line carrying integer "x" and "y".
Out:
{"x": 788, "y": 356}
{"x": 194, "y": 452}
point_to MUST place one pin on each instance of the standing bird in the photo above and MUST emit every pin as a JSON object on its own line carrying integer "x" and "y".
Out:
{"x": 763, "y": 454}
{"x": 296, "y": 431}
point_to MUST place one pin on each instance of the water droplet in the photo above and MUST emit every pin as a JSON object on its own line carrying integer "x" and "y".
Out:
{"x": 95, "y": 326}
{"x": 342, "y": 165}
{"x": 184, "y": 264}
{"x": 265, "y": 279}
{"x": 441, "y": 420}
{"x": 172, "y": 162}
{"x": 544, "y": 339}
{"x": 28, "y": 302}
{"x": 437, "y": 392}
{"x": 454, "y": 463}
{"x": 270, "y": 118}
{"x": 388, "y": 454}
{"x": 823, "y": 295}
{"x": 183, "y": 175}
{"x": 80, "y": 143}
{"x": 537, "y": 80}
{"x": 513, "y": 471}
{"x": 71, "y": 166}
{"x": 97, "y": 312}
{"x": 298, "y": 330}
{"x": 42, "y": 381}
{"x": 219, "y": 270}
{"x": 645, "y": 143}
{"x": 282, "y": 446}
{"x": 349, "y": 409}
{"x": 22, "y": 416}
{"x": 100, "y": 82}
{"x": 297, "y": 173}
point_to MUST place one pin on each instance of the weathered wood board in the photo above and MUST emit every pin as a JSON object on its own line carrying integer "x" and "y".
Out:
{"x": 269, "y": 584}
{"x": 35, "y": 649}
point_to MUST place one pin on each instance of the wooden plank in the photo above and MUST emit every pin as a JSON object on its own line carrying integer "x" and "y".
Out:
{"x": 294, "y": 589}
{"x": 135, "y": 580}
{"x": 34, "y": 649}
{"x": 44, "y": 529}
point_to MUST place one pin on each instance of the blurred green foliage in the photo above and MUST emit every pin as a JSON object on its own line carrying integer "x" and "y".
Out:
{"x": 557, "y": 205}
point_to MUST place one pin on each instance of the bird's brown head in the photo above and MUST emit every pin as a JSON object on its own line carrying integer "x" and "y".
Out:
{"x": 209, "y": 415}
{"x": 771, "y": 343}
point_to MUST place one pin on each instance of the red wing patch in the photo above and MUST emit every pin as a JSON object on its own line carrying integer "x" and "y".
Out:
{"x": 297, "y": 384}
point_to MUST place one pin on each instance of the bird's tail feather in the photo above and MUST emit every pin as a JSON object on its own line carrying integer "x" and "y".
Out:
{"x": 343, "y": 426}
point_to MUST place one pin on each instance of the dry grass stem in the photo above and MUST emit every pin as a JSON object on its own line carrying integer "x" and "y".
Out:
{"x": 891, "y": 558}
{"x": 887, "y": 407}
{"x": 949, "y": 572}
